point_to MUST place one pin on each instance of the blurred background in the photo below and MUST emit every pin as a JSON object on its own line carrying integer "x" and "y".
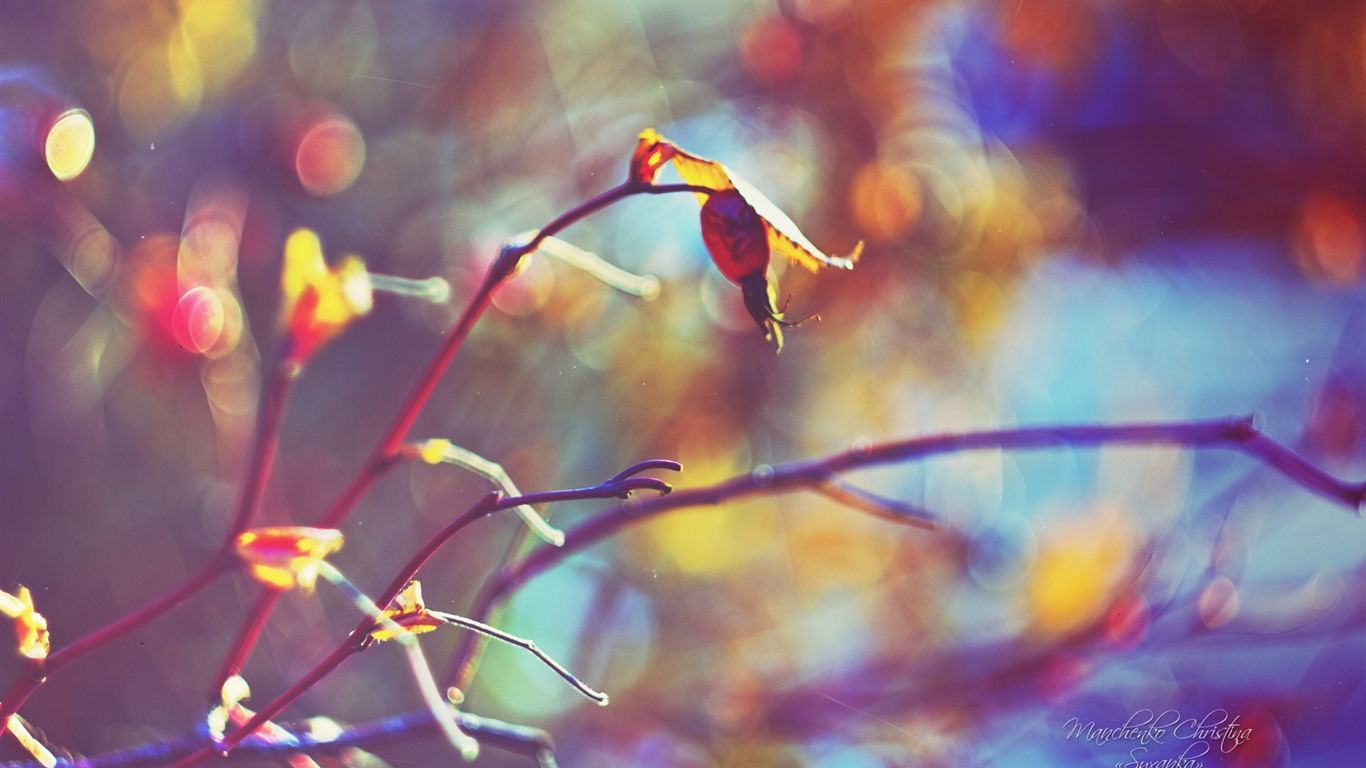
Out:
{"x": 1075, "y": 210}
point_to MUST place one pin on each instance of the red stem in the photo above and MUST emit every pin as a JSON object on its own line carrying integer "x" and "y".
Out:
{"x": 253, "y": 486}
{"x": 247, "y": 636}
{"x": 617, "y": 486}
{"x": 267, "y": 442}
{"x": 386, "y": 451}
{"x": 263, "y": 450}
{"x": 26, "y": 685}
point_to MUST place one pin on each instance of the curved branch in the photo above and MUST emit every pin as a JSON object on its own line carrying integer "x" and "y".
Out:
{"x": 1238, "y": 433}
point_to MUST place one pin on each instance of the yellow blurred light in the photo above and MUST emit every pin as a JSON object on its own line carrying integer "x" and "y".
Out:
{"x": 1077, "y": 571}
{"x": 163, "y": 60}
{"x": 70, "y": 144}
{"x": 330, "y": 156}
{"x": 981, "y": 303}
{"x": 152, "y": 97}
{"x": 222, "y": 37}
{"x": 711, "y": 542}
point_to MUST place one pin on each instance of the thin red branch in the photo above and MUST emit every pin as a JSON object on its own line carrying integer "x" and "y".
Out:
{"x": 263, "y": 449}
{"x": 26, "y": 685}
{"x": 247, "y": 635}
{"x": 342, "y": 653}
{"x": 386, "y": 451}
{"x": 253, "y": 487}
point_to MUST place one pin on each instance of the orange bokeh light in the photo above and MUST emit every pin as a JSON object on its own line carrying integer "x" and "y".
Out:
{"x": 884, "y": 200}
{"x": 330, "y": 156}
{"x": 1330, "y": 239}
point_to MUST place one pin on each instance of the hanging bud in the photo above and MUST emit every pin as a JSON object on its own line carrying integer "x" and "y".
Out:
{"x": 738, "y": 242}
{"x": 735, "y": 236}
{"x": 740, "y": 226}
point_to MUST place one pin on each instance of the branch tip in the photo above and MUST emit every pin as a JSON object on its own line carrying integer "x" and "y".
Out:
{"x": 641, "y": 466}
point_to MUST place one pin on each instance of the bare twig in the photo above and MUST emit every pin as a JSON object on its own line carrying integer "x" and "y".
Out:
{"x": 387, "y": 450}
{"x": 1233, "y": 433}
{"x": 620, "y": 485}
{"x": 525, "y": 644}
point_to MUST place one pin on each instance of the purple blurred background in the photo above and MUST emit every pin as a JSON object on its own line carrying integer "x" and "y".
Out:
{"x": 1075, "y": 211}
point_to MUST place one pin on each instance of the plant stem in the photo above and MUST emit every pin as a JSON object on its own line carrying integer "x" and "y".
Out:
{"x": 247, "y": 636}
{"x": 26, "y": 685}
{"x": 1236, "y": 433}
{"x": 263, "y": 449}
{"x": 517, "y": 739}
{"x": 342, "y": 653}
{"x": 253, "y": 487}
{"x": 619, "y": 485}
{"x": 387, "y": 450}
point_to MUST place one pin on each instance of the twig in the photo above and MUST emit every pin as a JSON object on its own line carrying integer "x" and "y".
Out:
{"x": 525, "y": 644}
{"x": 387, "y": 450}
{"x": 441, "y": 711}
{"x": 1234, "y": 433}
{"x": 878, "y": 506}
{"x": 265, "y": 442}
{"x": 620, "y": 485}
{"x": 262, "y": 456}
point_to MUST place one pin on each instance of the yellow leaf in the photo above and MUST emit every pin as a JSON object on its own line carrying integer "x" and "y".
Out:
{"x": 30, "y": 627}
{"x": 318, "y": 302}
{"x": 408, "y": 611}
{"x": 287, "y": 556}
{"x": 784, "y": 237}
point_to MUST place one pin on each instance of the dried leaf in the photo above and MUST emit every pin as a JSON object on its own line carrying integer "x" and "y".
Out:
{"x": 785, "y": 238}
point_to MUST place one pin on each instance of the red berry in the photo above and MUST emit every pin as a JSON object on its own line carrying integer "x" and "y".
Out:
{"x": 735, "y": 236}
